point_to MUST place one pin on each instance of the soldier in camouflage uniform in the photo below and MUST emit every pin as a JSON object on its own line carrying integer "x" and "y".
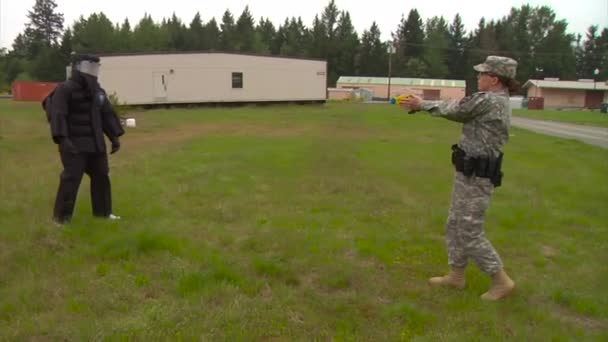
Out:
{"x": 477, "y": 157}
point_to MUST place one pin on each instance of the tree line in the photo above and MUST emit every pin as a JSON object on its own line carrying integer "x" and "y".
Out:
{"x": 431, "y": 48}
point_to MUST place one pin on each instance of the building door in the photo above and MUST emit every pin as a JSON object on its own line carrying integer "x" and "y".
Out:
{"x": 593, "y": 99}
{"x": 160, "y": 86}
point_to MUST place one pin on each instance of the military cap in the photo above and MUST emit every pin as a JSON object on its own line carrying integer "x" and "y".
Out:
{"x": 498, "y": 65}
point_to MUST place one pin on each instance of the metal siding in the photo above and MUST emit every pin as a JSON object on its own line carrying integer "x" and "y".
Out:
{"x": 564, "y": 98}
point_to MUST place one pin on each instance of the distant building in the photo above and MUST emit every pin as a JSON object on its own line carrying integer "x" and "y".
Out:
{"x": 556, "y": 94}
{"x": 340, "y": 94}
{"x": 430, "y": 89}
{"x": 360, "y": 94}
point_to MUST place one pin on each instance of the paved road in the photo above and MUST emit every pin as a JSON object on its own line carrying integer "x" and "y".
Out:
{"x": 597, "y": 136}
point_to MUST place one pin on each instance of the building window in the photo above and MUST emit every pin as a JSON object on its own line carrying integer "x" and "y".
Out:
{"x": 237, "y": 80}
{"x": 431, "y": 94}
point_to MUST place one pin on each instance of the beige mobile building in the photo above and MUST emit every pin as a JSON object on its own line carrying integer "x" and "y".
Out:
{"x": 211, "y": 77}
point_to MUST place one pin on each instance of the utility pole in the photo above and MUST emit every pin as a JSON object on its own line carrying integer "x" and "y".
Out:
{"x": 539, "y": 71}
{"x": 595, "y": 73}
{"x": 390, "y": 50}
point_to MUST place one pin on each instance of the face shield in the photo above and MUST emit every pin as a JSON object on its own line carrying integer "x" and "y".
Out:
{"x": 88, "y": 67}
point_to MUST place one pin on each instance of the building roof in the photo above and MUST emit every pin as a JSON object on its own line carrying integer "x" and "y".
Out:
{"x": 578, "y": 85}
{"x": 152, "y": 53}
{"x": 402, "y": 81}
{"x": 341, "y": 90}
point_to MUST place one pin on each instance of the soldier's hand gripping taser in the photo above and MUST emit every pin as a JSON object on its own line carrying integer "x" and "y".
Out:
{"x": 399, "y": 100}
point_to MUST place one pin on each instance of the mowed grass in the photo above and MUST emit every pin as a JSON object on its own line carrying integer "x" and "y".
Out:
{"x": 293, "y": 223}
{"x": 588, "y": 118}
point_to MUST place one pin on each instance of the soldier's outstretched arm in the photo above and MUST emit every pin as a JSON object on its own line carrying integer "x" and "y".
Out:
{"x": 461, "y": 111}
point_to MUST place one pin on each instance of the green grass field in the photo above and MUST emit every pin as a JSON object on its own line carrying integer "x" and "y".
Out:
{"x": 595, "y": 118}
{"x": 295, "y": 223}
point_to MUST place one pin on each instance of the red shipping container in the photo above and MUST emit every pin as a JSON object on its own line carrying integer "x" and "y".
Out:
{"x": 32, "y": 91}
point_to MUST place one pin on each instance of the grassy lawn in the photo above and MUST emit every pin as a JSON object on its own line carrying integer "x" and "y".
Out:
{"x": 295, "y": 223}
{"x": 595, "y": 118}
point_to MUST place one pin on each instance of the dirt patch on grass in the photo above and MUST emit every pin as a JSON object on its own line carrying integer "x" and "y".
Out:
{"x": 570, "y": 317}
{"x": 549, "y": 251}
{"x": 581, "y": 321}
{"x": 309, "y": 280}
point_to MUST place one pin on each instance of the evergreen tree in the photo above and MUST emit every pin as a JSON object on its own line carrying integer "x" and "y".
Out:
{"x": 3, "y": 64}
{"x": 409, "y": 40}
{"x": 373, "y": 57}
{"x": 212, "y": 35}
{"x": 65, "y": 47}
{"x": 245, "y": 32}
{"x": 593, "y": 54}
{"x": 124, "y": 37}
{"x": 195, "y": 34}
{"x": 413, "y": 35}
{"x": 319, "y": 38}
{"x": 147, "y": 36}
{"x": 329, "y": 19}
{"x": 456, "y": 49}
{"x": 280, "y": 38}
{"x": 602, "y": 45}
{"x": 228, "y": 31}
{"x": 43, "y": 29}
{"x": 531, "y": 35}
{"x": 436, "y": 43}
{"x": 555, "y": 53}
{"x": 48, "y": 66}
{"x": 266, "y": 33}
{"x": 294, "y": 37}
{"x": 348, "y": 45}
{"x": 46, "y": 25}
{"x": 96, "y": 34}
{"x": 176, "y": 34}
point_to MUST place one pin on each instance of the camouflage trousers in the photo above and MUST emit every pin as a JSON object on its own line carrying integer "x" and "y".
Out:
{"x": 465, "y": 237}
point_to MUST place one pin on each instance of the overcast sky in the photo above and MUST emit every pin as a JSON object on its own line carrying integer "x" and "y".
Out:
{"x": 387, "y": 13}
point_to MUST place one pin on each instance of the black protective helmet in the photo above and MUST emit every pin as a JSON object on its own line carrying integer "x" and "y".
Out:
{"x": 79, "y": 57}
{"x": 85, "y": 63}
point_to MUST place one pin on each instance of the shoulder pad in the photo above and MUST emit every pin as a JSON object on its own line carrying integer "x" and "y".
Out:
{"x": 102, "y": 97}
{"x": 480, "y": 94}
{"x": 69, "y": 84}
{"x": 477, "y": 97}
{"x": 467, "y": 99}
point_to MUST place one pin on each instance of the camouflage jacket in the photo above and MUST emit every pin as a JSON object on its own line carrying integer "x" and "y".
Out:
{"x": 486, "y": 118}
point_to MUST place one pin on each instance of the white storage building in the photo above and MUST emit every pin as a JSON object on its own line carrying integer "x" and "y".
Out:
{"x": 212, "y": 77}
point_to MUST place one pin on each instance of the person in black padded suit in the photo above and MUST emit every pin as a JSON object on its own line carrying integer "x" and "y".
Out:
{"x": 80, "y": 114}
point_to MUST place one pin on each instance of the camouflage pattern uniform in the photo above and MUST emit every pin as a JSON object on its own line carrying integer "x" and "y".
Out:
{"x": 486, "y": 120}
